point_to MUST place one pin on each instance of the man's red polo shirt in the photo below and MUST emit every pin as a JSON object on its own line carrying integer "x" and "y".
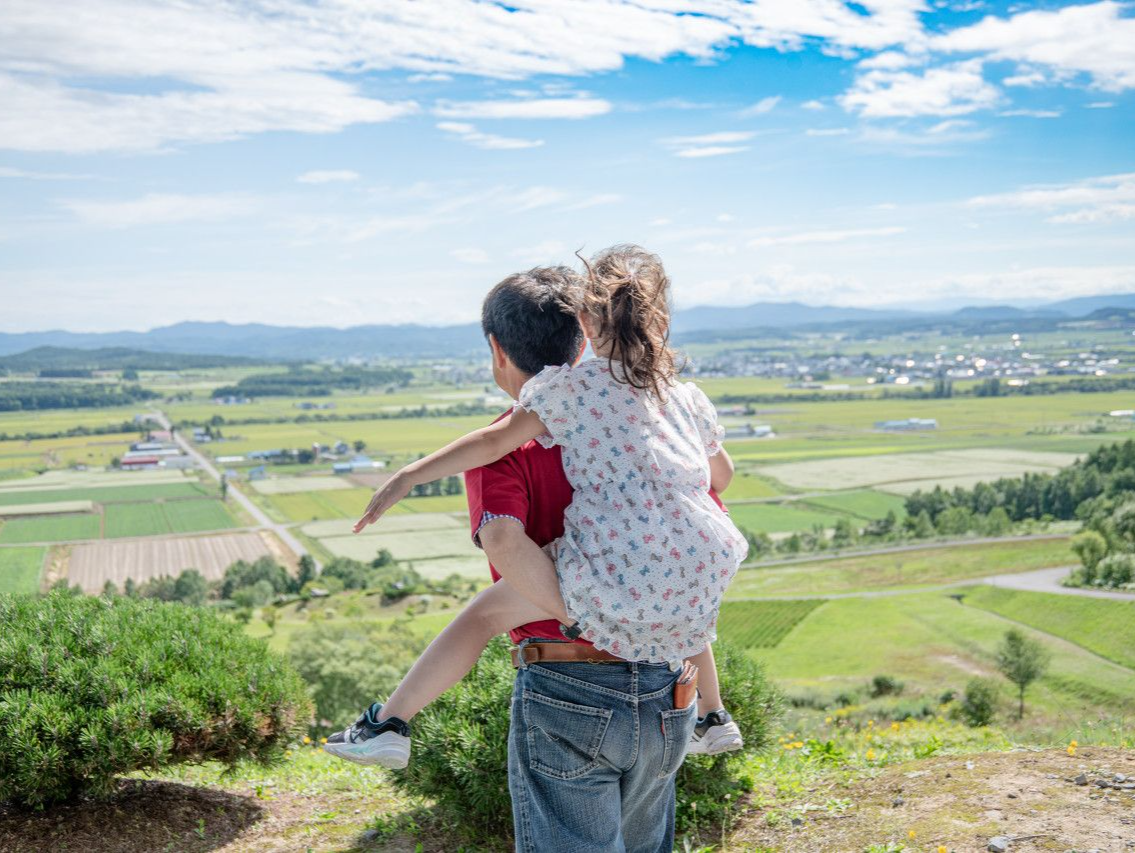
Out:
{"x": 529, "y": 484}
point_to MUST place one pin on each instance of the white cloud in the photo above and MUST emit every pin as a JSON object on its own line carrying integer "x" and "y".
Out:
{"x": 890, "y": 60}
{"x": 469, "y": 133}
{"x": 827, "y": 131}
{"x": 29, "y": 175}
{"x": 834, "y": 236}
{"x": 1027, "y": 79}
{"x": 1093, "y": 39}
{"x": 471, "y": 256}
{"x": 724, "y": 217}
{"x": 1031, "y": 113}
{"x": 532, "y": 108}
{"x": 948, "y": 90}
{"x": 710, "y": 151}
{"x": 429, "y": 78}
{"x": 812, "y": 105}
{"x": 1106, "y": 198}
{"x": 1100, "y": 105}
{"x": 161, "y": 209}
{"x": 328, "y": 176}
{"x": 761, "y": 107}
{"x": 723, "y": 138}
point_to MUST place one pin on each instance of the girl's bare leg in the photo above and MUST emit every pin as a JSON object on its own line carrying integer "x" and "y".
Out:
{"x": 454, "y": 651}
{"x": 709, "y": 698}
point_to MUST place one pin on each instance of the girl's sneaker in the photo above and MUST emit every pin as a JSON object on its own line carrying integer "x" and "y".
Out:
{"x": 385, "y": 743}
{"x": 715, "y": 732}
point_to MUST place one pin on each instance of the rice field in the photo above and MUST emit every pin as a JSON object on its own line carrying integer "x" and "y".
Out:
{"x": 761, "y": 624}
{"x": 52, "y": 508}
{"x": 290, "y": 485}
{"x": 863, "y": 504}
{"x": 105, "y": 494}
{"x": 20, "y": 569}
{"x": 60, "y": 528}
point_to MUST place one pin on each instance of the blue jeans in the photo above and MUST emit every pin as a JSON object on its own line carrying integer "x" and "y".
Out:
{"x": 592, "y": 753}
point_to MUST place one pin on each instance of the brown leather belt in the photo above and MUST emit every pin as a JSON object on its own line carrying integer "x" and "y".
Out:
{"x": 561, "y": 653}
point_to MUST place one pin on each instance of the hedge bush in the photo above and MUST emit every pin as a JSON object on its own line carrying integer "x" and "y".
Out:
{"x": 460, "y": 758}
{"x": 94, "y": 687}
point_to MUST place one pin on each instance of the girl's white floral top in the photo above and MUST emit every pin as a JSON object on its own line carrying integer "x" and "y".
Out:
{"x": 646, "y": 553}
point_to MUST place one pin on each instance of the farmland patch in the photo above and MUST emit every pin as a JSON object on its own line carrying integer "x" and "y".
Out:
{"x": 762, "y": 624}
{"x": 61, "y": 528}
{"x": 46, "y": 508}
{"x": 20, "y": 569}
{"x": 93, "y": 564}
{"x": 777, "y": 518}
{"x": 290, "y": 485}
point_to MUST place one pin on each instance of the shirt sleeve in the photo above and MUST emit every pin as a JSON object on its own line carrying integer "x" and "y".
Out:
{"x": 496, "y": 490}
{"x": 549, "y": 395}
{"x": 705, "y": 417}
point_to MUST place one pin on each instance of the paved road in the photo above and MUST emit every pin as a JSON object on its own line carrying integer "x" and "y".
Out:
{"x": 1048, "y": 580}
{"x": 256, "y": 512}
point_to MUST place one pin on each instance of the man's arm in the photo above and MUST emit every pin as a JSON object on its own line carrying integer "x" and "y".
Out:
{"x": 524, "y": 565}
{"x": 720, "y": 471}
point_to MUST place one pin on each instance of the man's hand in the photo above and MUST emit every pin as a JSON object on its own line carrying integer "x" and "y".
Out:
{"x": 392, "y": 491}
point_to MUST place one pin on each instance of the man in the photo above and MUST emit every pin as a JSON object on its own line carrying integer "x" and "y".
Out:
{"x": 593, "y": 746}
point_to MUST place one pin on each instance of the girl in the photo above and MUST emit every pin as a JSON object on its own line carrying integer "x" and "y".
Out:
{"x": 646, "y": 553}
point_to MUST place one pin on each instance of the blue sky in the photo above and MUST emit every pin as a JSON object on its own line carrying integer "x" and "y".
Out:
{"x": 299, "y": 162}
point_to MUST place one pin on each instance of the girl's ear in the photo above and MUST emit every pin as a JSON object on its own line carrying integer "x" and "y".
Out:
{"x": 589, "y": 324}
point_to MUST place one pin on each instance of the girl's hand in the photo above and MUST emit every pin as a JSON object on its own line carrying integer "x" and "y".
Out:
{"x": 392, "y": 491}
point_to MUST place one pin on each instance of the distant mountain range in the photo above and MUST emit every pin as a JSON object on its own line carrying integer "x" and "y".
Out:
{"x": 259, "y": 341}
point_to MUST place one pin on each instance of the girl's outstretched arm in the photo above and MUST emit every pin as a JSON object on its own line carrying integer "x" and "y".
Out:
{"x": 474, "y": 450}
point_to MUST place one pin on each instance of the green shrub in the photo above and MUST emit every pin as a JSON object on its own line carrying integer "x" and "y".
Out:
{"x": 94, "y": 687}
{"x": 979, "y": 705}
{"x": 460, "y": 756}
{"x": 885, "y": 685}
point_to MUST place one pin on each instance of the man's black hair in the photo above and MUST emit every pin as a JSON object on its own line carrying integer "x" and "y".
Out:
{"x": 533, "y": 316}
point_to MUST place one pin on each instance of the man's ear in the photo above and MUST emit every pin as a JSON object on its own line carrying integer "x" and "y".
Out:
{"x": 499, "y": 357}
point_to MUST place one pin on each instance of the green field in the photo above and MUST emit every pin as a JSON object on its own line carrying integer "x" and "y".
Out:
{"x": 197, "y": 515}
{"x": 155, "y": 519}
{"x": 780, "y": 518}
{"x": 58, "y": 528}
{"x": 105, "y": 495}
{"x": 901, "y": 569}
{"x": 864, "y": 504}
{"x": 761, "y": 624}
{"x": 933, "y": 643}
{"x": 350, "y": 503}
{"x": 747, "y": 487}
{"x": 1103, "y": 626}
{"x": 20, "y": 569}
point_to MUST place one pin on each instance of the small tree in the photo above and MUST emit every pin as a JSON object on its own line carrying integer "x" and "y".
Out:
{"x": 997, "y": 522}
{"x": 921, "y": 527}
{"x": 306, "y": 572}
{"x": 360, "y": 445}
{"x": 1022, "y": 661}
{"x": 129, "y": 588}
{"x": 109, "y": 590}
{"x": 191, "y": 588}
{"x": 844, "y": 534}
{"x": 268, "y": 614}
{"x": 1091, "y": 548}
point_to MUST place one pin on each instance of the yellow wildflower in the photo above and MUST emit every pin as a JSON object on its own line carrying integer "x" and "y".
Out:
{"x": 942, "y": 849}
{"x": 910, "y": 835}
{"x": 306, "y": 739}
{"x": 1071, "y": 750}
{"x": 827, "y": 719}
{"x": 323, "y": 740}
{"x": 1074, "y": 744}
{"x": 870, "y": 755}
{"x": 870, "y": 722}
{"x": 798, "y": 745}
{"x": 895, "y": 726}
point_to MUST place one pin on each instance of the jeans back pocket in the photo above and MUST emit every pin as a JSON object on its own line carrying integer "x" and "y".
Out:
{"x": 677, "y": 726}
{"x": 563, "y": 738}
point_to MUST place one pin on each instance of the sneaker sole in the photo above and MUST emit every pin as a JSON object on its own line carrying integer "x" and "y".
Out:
{"x": 391, "y": 755}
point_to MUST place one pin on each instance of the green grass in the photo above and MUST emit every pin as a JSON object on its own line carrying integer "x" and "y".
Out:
{"x": 59, "y": 528}
{"x": 140, "y": 519}
{"x": 193, "y": 516}
{"x": 933, "y": 643}
{"x": 747, "y": 486}
{"x": 780, "y": 518}
{"x": 1104, "y": 626}
{"x": 902, "y": 569}
{"x": 864, "y": 504}
{"x": 20, "y": 569}
{"x": 761, "y": 624}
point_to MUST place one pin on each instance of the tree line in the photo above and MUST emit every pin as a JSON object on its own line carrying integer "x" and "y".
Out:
{"x": 305, "y": 382}
{"x": 34, "y": 396}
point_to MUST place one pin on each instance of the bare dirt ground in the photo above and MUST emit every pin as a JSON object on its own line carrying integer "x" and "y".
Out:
{"x": 961, "y": 802}
{"x": 93, "y": 564}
